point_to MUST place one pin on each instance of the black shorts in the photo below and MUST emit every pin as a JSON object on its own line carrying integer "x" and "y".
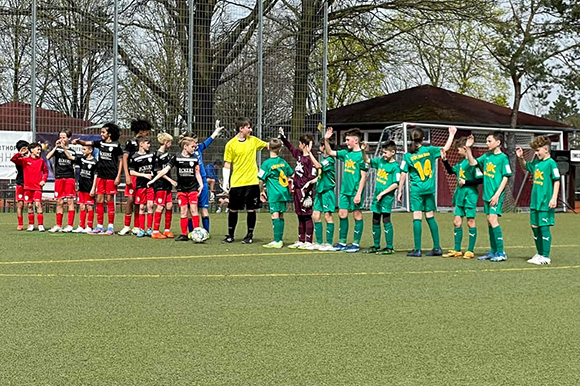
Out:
{"x": 245, "y": 197}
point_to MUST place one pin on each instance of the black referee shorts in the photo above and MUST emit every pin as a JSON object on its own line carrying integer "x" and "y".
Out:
{"x": 245, "y": 197}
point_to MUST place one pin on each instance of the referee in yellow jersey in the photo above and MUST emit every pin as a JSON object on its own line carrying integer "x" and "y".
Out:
{"x": 241, "y": 168}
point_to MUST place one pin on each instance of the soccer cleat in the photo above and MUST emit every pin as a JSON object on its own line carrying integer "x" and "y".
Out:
{"x": 372, "y": 249}
{"x": 274, "y": 244}
{"x": 41, "y": 228}
{"x": 20, "y": 227}
{"x": 110, "y": 231}
{"x": 158, "y": 236}
{"x": 87, "y": 230}
{"x": 68, "y": 229}
{"x": 313, "y": 247}
{"x": 386, "y": 251}
{"x": 487, "y": 256}
{"x": 327, "y": 248}
{"x": 435, "y": 252}
{"x": 80, "y": 229}
{"x": 498, "y": 257}
{"x": 296, "y": 245}
{"x": 249, "y": 239}
{"x": 468, "y": 255}
{"x": 534, "y": 258}
{"x": 135, "y": 230}
{"x": 149, "y": 232}
{"x": 414, "y": 253}
{"x": 219, "y": 210}
{"x": 30, "y": 228}
{"x": 98, "y": 230}
{"x": 306, "y": 246}
{"x": 182, "y": 238}
{"x": 452, "y": 253}
{"x": 228, "y": 239}
{"x": 340, "y": 247}
{"x": 168, "y": 234}
{"x": 55, "y": 229}
{"x": 141, "y": 233}
{"x": 542, "y": 260}
{"x": 126, "y": 229}
{"x": 353, "y": 248}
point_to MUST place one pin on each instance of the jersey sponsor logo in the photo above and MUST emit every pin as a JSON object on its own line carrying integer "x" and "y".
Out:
{"x": 382, "y": 176}
{"x": 538, "y": 177}
{"x": 349, "y": 166}
{"x": 462, "y": 173}
{"x": 420, "y": 156}
{"x": 490, "y": 170}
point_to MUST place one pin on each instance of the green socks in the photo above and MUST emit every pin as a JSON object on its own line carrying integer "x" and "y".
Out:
{"x": 389, "y": 234}
{"x": 498, "y": 239}
{"x": 538, "y": 240}
{"x": 434, "y": 232}
{"x": 343, "y": 230}
{"x": 492, "y": 244}
{"x": 377, "y": 235}
{"x": 417, "y": 231}
{"x": 329, "y": 232}
{"x": 278, "y": 225}
{"x": 358, "y": 231}
{"x": 458, "y": 233}
{"x": 546, "y": 241}
{"x": 472, "y": 238}
{"x": 318, "y": 232}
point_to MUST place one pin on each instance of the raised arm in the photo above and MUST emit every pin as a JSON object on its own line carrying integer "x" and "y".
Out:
{"x": 82, "y": 142}
{"x": 327, "y": 149}
{"x": 468, "y": 144}
{"x": 452, "y": 131}
{"x": 521, "y": 160}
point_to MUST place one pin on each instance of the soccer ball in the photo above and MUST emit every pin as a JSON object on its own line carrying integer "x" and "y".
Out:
{"x": 199, "y": 235}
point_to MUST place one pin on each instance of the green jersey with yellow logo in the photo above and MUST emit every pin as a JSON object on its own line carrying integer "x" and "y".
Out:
{"x": 544, "y": 174}
{"x": 388, "y": 173}
{"x": 466, "y": 195}
{"x": 326, "y": 175}
{"x": 275, "y": 172}
{"x": 351, "y": 174}
{"x": 495, "y": 167}
{"x": 421, "y": 166}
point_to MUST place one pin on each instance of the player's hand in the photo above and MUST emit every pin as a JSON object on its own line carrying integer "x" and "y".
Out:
{"x": 494, "y": 200}
{"x": 174, "y": 183}
{"x": 200, "y": 189}
{"x": 92, "y": 193}
{"x": 24, "y": 151}
{"x": 218, "y": 129}
{"x": 328, "y": 133}
{"x": 452, "y": 130}
{"x": 263, "y": 197}
{"x": 364, "y": 146}
{"x": 443, "y": 154}
{"x": 380, "y": 196}
{"x": 148, "y": 176}
{"x": 400, "y": 196}
{"x": 117, "y": 181}
{"x": 75, "y": 141}
{"x": 469, "y": 142}
{"x": 128, "y": 180}
{"x": 281, "y": 132}
{"x": 461, "y": 182}
{"x": 149, "y": 183}
{"x": 357, "y": 199}
{"x": 42, "y": 183}
{"x": 519, "y": 152}
{"x": 553, "y": 203}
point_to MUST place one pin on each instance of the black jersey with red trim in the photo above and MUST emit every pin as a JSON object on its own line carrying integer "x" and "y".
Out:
{"x": 88, "y": 168}
{"x": 186, "y": 167}
{"x": 109, "y": 154}
{"x": 160, "y": 161}
{"x": 141, "y": 163}
{"x": 64, "y": 167}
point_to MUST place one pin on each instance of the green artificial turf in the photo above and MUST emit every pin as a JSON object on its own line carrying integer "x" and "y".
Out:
{"x": 98, "y": 310}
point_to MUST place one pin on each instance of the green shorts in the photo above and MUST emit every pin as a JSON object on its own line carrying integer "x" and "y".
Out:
{"x": 384, "y": 206}
{"x": 462, "y": 211}
{"x": 325, "y": 202}
{"x": 422, "y": 202}
{"x": 487, "y": 209}
{"x": 542, "y": 218}
{"x": 347, "y": 202}
{"x": 279, "y": 206}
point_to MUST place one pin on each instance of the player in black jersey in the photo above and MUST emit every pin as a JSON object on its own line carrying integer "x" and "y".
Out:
{"x": 87, "y": 189}
{"x": 22, "y": 147}
{"x": 109, "y": 168}
{"x": 189, "y": 183}
{"x": 64, "y": 180}
{"x": 139, "y": 128}
{"x": 163, "y": 188}
{"x": 141, "y": 166}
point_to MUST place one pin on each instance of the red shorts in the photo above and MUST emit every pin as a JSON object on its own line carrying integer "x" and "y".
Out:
{"x": 130, "y": 189}
{"x": 33, "y": 195}
{"x": 85, "y": 198}
{"x": 65, "y": 188}
{"x": 163, "y": 197}
{"x": 106, "y": 186}
{"x": 187, "y": 198}
{"x": 19, "y": 193}
{"x": 143, "y": 195}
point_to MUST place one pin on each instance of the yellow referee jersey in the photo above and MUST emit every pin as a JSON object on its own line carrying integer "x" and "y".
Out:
{"x": 242, "y": 157}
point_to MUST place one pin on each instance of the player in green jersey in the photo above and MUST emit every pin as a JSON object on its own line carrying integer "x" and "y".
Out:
{"x": 496, "y": 171}
{"x": 324, "y": 202}
{"x": 419, "y": 163}
{"x": 274, "y": 173}
{"x": 354, "y": 176}
{"x": 546, "y": 180}
{"x": 387, "y": 181}
{"x": 464, "y": 199}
